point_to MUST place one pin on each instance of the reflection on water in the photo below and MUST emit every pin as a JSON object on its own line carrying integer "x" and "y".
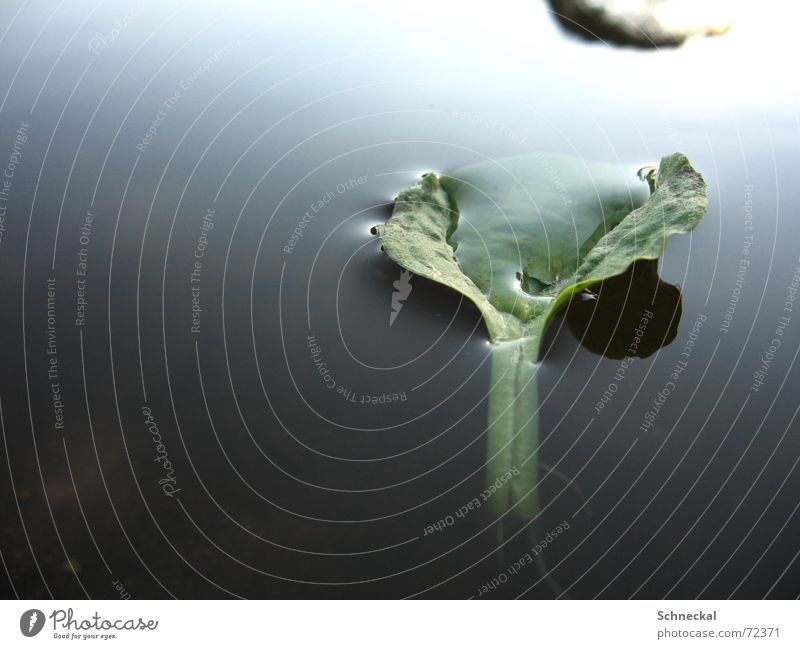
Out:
{"x": 189, "y": 272}
{"x": 632, "y": 315}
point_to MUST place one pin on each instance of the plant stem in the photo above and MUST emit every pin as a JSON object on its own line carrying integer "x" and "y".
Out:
{"x": 513, "y": 431}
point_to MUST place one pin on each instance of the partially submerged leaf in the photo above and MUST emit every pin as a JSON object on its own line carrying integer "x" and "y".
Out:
{"x": 526, "y": 223}
{"x": 520, "y": 237}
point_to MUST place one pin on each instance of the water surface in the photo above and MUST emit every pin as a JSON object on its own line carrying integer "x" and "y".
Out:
{"x": 202, "y": 395}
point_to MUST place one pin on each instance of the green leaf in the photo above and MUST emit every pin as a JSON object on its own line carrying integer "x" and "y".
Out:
{"x": 520, "y": 237}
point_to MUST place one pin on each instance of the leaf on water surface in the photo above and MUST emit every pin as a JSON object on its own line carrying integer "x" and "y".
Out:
{"x": 520, "y": 237}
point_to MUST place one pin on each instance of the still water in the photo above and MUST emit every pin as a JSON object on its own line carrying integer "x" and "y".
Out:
{"x": 203, "y": 390}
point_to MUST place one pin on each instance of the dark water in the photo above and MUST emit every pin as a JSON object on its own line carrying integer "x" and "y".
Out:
{"x": 196, "y": 138}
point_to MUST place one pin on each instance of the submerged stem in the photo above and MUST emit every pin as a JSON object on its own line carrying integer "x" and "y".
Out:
{"x": 513, "y": 432}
